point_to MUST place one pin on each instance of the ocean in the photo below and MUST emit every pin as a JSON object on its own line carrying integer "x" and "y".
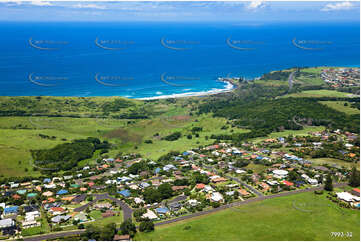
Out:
{"x": 147, "y": 60}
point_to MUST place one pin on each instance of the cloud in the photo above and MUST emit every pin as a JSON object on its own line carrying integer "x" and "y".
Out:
{"x": 256, "y": 4}
{"x": 93, "y": 6}
{"x": 337, "y": 6}
{"x": 40, "y": 3}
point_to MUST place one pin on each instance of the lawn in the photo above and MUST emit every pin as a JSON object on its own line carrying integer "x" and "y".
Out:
{"x": 340, "y": 106}
{"x": 303, "y": 216}
{"x": 332, "y": 161}
{"x": 302, "y": 132}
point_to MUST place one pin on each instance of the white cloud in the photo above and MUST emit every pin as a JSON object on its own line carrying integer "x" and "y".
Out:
{"x": 337, "y": 6}
{"x": 93, "y": 6}
{"x": 256, "y": 4}
{"x": 40, "y": 3}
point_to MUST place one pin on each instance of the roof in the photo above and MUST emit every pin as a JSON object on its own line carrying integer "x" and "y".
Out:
{"x": 62, "y": 191}
{"x": 125, "y": 193}
{"x": 287, "y": 183}
{"x": 162, "y": 210}
{"x": 12, "y": 209}
{"x": 6, "y": 223}
{"x": 200, "y": 186}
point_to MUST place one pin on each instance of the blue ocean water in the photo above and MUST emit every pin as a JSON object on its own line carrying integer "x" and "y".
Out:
{"x": 141, "y": 60}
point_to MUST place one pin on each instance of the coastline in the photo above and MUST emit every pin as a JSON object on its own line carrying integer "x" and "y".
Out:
{"x": 227, "y": 88}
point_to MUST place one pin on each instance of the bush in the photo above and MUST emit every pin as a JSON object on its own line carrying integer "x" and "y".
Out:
{"x": 146, "y": 226}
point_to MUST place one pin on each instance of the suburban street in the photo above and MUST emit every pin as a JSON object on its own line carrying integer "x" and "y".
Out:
{"x": 128, "y": 211}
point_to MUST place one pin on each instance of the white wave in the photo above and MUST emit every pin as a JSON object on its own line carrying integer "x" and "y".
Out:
{"x": 227, "y": 88}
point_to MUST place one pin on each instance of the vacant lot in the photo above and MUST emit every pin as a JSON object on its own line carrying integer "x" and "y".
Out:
{"x": 303, "y": 216}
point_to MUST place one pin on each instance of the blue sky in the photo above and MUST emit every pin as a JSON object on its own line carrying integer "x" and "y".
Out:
{"x": 253, "y": 11}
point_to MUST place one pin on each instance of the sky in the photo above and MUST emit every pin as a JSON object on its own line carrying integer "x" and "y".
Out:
{"x": 251, "y": 11}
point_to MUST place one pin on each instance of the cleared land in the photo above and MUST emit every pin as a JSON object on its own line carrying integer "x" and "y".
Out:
{"x": 340, "y": 106}
{"x": 298, "y": 217}
{"x": 319, "y": 93}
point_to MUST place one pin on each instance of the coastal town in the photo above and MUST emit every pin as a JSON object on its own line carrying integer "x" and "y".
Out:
{"x": 341, "y": 77}
{"x": 178, "y": 185}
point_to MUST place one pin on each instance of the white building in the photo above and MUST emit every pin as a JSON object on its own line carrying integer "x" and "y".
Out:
{"x": 216, "y": 197}
{"x": 280, "y": 174}
{"x": 150, "y": 214}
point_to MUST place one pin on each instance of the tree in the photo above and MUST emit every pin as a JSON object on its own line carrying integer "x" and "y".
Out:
{"x": 127, "y": 227}
{"x": 354, "y": 178}
{"x": 146, "y": 226}
{"x": 328, "y": 183}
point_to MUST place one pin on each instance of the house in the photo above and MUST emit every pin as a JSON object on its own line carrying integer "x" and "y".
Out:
{"x": 10, "y": 210}
{"x": 124, "y": 193}
{"x": 81, "y": 217}
{"x": 264, "y": 186}
{"x": 287, "y": 183}
{"x": 178, "y": 188}
{"x": 162, "y": 210}
{"x": 208, "y": 188}
{"x": 144, "y": 185}
{"x": 118, "y": 237}
{"x": 175, "y": 206}
{"x": 243, "y": 192}
{"x": 7, "y": 223}
{"x": 29, "y": 224}
{"x": 312, "y": 181}
{"x": 347, "y": 197}
{"x": 102, "y": 206}
{"x": 57, "y": 210}
{"x": 150, "y": 214}
{"x": 193, "y": 202}
{"x": 280, "y": 173}
{"x": 62, "y": 192}
{"x": 7, "y": 226}
{"x": 108, "y": 213}
{"x": 78, "y": 199}
{"x": 200, "y": 186}
{"x": 48, "y": 194}
{"x": 60, "y": 218}
{"x": 216, "y": 197}
{"x": 138, "y": 200}
{"x": 219, "y": 179}
{"x": 355, "y": 192}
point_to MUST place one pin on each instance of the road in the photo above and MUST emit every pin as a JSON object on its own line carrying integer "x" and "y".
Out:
{"x": 290, "y": 81}
{"x": 127, "y": 211}
{"x": 239, "y": 203}
{"x": 54, "y": 235}
{"x": 234, "y": 204}
{"x": 237, "y": 180}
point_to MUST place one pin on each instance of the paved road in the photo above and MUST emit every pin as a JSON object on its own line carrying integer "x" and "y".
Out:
{"x": 237, "y": 180}
{"x": 127, "y": 211}
{"x": 54, "y": 235}
{"x": 239, "y": 203}
{"x": 290, "y": 81}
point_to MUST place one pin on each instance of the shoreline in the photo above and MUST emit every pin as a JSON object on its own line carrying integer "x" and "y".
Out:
{"x": 228, "y": 88}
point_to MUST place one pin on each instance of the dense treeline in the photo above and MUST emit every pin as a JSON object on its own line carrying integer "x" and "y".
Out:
{"x": 266, "y": 116}
{"x": 66, "y": 156}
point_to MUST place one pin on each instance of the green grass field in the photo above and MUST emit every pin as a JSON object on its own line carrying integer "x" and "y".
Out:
{"x": 319, "y": 93}
{"x": 340, "y": 106}
{"x": 332, "y": 161}
{"x": 303, "y": 216}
